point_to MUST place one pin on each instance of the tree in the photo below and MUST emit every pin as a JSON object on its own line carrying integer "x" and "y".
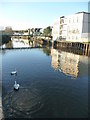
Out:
{"x": 8, "y": 30}
{"x": 32, "y": 31}
{"x": 5, "y": 39}
{"x": 47, "y": 31}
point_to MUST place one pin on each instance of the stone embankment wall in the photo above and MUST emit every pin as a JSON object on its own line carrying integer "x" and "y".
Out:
{"x": 1, "y": 111}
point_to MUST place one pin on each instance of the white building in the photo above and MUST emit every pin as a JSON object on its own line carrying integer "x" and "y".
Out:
{"x": 56, "y": 29}
{"x": 74, "y": 28}
{"x": 63, "y": 28}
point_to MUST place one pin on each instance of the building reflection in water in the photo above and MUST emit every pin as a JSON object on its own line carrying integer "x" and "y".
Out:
{"x": 65, "y": 62}
{"x": 21, "y": 43}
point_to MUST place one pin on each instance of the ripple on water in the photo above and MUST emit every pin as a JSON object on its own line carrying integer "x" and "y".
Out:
{"x": 22, "y": 103}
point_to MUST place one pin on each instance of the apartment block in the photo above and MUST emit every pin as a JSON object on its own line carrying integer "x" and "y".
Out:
{"x": 73, "y": 28}
{"x": 56, "y": 29}
{"x": 63, "y": 28}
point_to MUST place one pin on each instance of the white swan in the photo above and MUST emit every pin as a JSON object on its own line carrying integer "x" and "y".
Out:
{"x": 14, "y": 72}
{"x": 16, "y": 86}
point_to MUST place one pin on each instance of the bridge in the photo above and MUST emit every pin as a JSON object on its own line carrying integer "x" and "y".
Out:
{"x": 20, "y": 35}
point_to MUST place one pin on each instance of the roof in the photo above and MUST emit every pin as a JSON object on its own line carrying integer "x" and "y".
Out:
{"x": 83, "y": 12}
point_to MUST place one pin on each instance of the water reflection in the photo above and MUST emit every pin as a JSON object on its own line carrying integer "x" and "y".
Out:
{"x": 68, "y": 63}
{"x": 44, "y": 92}
{"x": 65, "y": 62}
{"x": 47, "y": 51}
{"x": 8, "y": 45}
{"x": 21, "y": 43}
{"x": 26, "y": 101}
{"x": 18, "y": 43}
{"x": 1, "y": 111}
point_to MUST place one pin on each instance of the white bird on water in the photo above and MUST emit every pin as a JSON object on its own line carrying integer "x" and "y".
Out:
{"x": 14, "y": 72}
{"x": 16, "y": 86}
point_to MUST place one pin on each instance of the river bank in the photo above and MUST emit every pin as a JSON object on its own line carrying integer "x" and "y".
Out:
{"x": 83, "y": 48}
{"x": 74, "y": 47}
{"x": 1, "y": 112}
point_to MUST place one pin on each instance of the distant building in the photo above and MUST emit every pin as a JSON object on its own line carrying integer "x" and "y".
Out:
{"x": 29, "y": 31}
{"x": 74, "y": 28}
{"x": 41, "y": 31}
{"x": 17, "y": 33}
{"x": 26, "y": 32}
{"x": 37, "y": 31}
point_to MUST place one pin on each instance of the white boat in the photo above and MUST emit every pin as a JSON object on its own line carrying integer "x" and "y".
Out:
{"x": 16, "y": 86}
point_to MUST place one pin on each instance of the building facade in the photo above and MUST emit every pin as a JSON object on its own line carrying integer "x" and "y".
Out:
{"x": 73, "y": 28}
{"x": 56, "y": 29}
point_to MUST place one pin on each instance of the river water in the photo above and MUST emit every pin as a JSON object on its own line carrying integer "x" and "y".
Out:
{"x": 53, "y": 83}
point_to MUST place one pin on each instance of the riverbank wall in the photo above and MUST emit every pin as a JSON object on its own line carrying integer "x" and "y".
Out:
{"x": 82, "y": 48}
{"x": 1, "y": 110}
{"x": 75, "y": 47}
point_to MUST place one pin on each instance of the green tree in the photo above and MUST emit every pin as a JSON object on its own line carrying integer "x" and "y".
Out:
{"x": 47, "y": 31}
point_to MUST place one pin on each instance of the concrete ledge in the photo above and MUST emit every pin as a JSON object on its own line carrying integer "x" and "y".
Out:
{"x": 1, "y": 114}
{"x": 1, "y": 111}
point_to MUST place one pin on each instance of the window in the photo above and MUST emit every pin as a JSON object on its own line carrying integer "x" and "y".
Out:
{"x": 76, "y": 37}
{"x": 77, "y": 31}
{"x": 73, "y": 31}
{"x": 77, "y": 19}
{"x": 72, "y": 37}
{"x": 62, "y": 21}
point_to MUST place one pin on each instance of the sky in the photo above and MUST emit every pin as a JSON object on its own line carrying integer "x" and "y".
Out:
{"x": 24, "y": 15}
